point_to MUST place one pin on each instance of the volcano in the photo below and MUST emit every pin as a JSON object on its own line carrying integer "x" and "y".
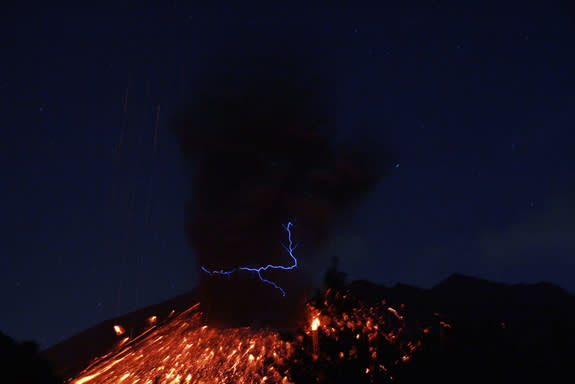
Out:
{"x": 462, "y": 330}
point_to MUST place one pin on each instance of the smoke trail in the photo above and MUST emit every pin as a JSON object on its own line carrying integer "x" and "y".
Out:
{"x": 258, "y": 138}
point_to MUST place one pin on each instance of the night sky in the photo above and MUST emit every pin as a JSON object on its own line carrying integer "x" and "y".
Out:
{"x": 477, "y": 102}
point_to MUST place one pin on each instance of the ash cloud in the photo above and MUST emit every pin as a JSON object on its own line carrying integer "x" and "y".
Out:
{"x": 258, "y": 138}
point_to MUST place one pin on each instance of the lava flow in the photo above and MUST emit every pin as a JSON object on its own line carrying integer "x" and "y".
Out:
{"x": 349, "y": 339}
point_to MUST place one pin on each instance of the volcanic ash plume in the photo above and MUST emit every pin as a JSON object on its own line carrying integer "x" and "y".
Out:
{"x": 258, "y": 139}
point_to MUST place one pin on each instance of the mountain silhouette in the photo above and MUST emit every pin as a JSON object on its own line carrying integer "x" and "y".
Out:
{"x": 477, "y": 331}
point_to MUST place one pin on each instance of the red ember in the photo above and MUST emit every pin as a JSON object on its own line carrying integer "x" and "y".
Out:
{"x": 184, "y": 350}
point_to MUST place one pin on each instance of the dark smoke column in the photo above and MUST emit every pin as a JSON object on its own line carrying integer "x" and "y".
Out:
{"x": 257, "y": 140}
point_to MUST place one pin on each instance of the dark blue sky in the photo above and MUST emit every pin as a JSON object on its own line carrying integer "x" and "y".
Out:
{"x": 478, "y": 102}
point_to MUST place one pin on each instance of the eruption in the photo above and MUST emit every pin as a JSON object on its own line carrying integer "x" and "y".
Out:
{"x": 259, "y": 142}
{"x": 360, "y": 343}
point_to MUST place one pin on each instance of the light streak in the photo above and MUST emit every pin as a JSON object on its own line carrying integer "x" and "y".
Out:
{"x": 182, "y": 349}
{"x": 314, "y": 325}
{"x": 290, "y": 248}
{"x": 125, "y": 118}
{"x": 154, "y": 152}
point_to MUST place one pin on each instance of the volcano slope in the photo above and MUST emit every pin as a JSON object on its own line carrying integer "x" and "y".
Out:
{"x": 463, "y": 329}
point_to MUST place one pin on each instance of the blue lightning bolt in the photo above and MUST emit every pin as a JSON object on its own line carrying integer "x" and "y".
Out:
{"x": 290, "y": 248}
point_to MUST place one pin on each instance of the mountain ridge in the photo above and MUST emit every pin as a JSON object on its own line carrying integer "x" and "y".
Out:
{"x": 538, "y": 318}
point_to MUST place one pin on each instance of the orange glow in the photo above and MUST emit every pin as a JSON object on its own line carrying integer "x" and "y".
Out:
{"x": 152, "y": 320}
{"x": 444, "y": 324}
{"x": 315, "y": 324}
{"x": 182, "y": 349}
{"x": 85, "y": 379}
{"x": 395, "y": 313}
{"x": 185, "y": 350}
{"x": 119, "y": 330}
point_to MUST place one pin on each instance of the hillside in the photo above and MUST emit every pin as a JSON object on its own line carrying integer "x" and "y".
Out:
{"x": 469, "y": 329}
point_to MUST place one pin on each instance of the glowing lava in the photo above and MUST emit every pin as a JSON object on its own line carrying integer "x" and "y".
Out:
{"x": 314, "y": 326}
{"x": 119, "y": 330}
{"x": 184, "y": 351}
{"x": 181, "y": 349}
